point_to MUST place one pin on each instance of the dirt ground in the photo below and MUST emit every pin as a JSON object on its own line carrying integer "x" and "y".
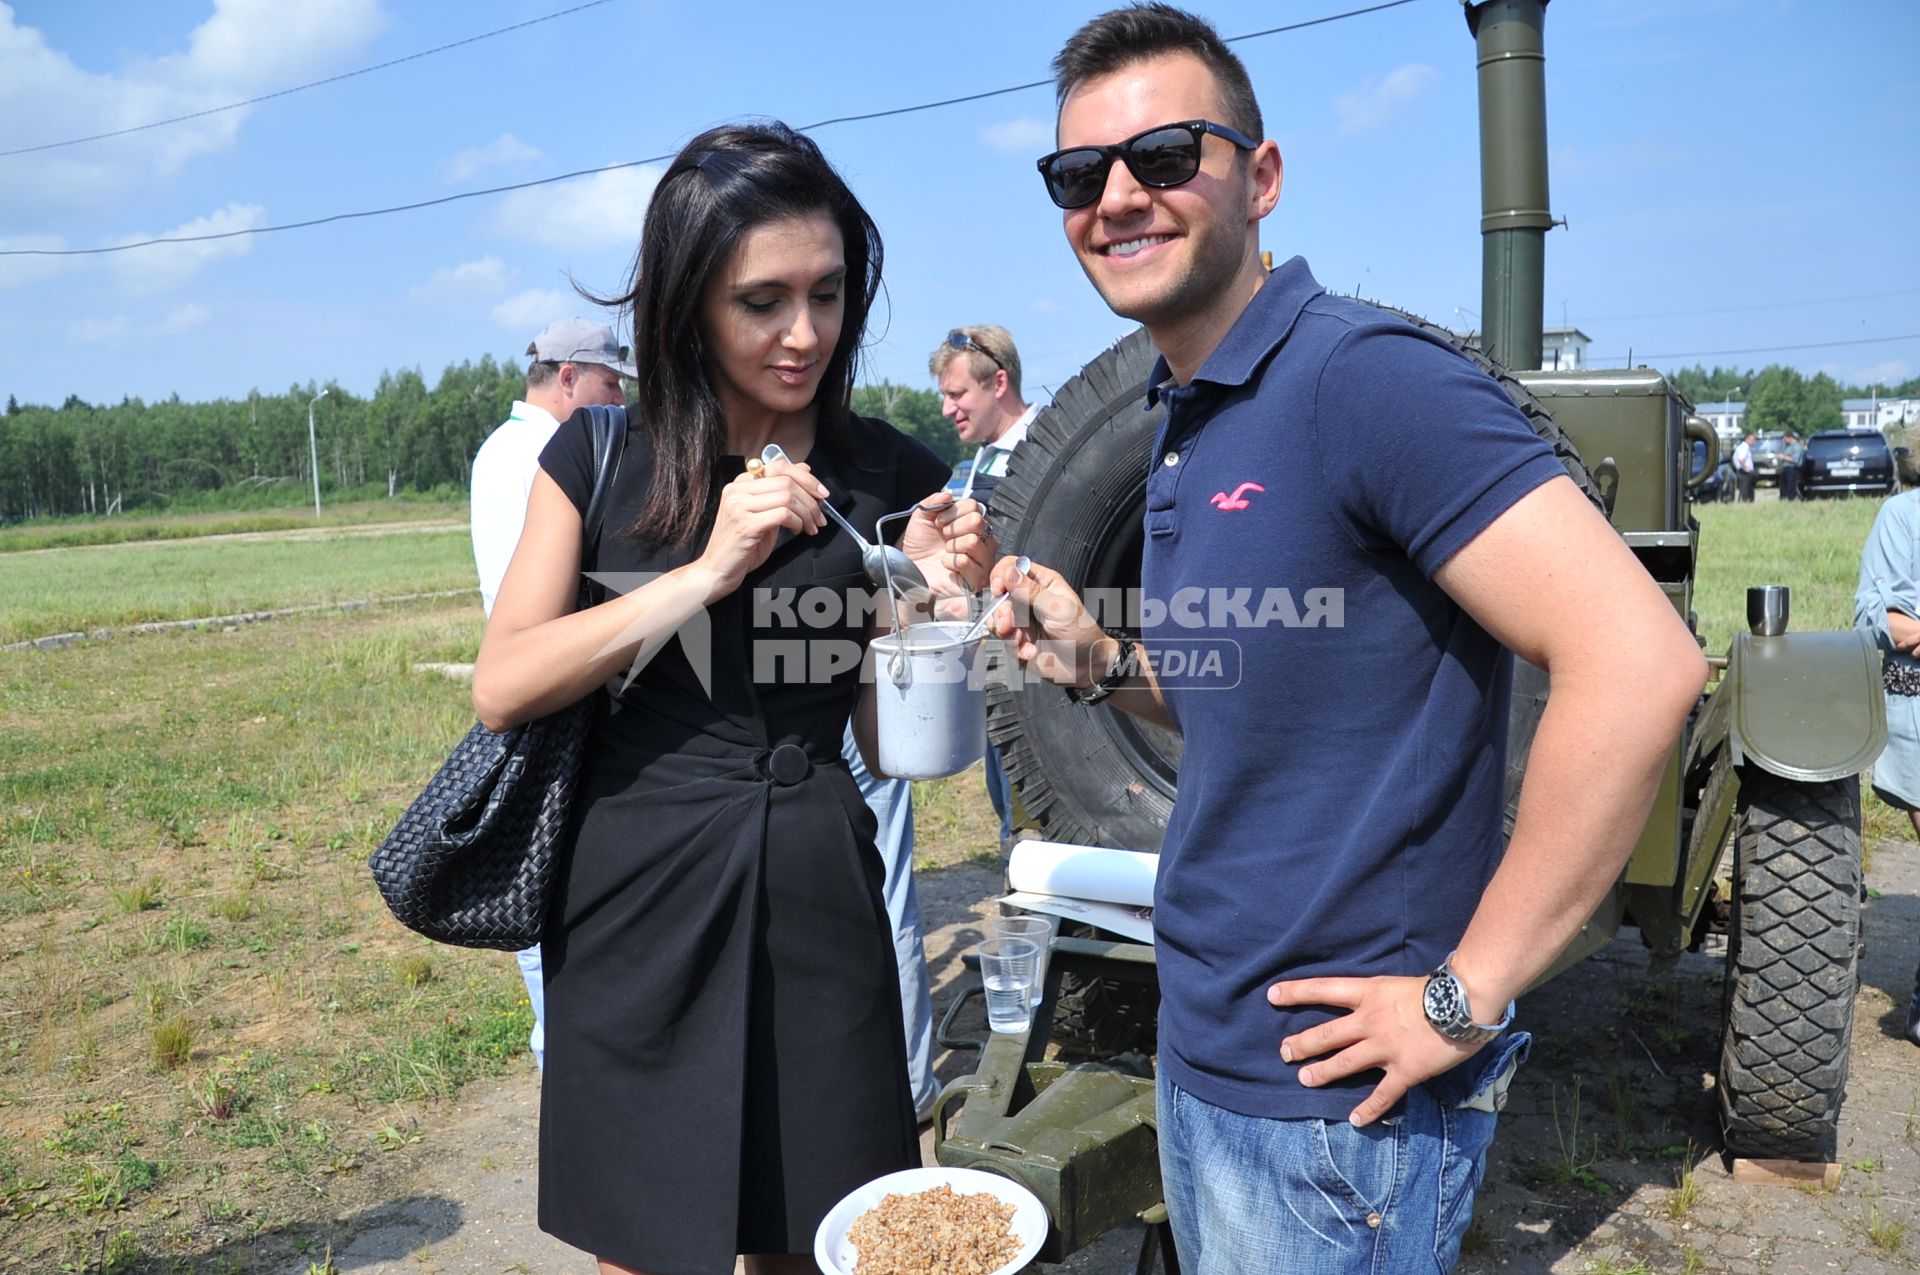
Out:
{"x": 1614, "y": 1108}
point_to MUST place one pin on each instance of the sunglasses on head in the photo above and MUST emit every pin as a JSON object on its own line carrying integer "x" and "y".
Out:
{"x": 1162, "y": 156}
{"x": 959, "y": 340}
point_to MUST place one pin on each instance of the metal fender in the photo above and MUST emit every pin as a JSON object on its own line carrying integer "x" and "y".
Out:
{"x": 1805, "y": 706}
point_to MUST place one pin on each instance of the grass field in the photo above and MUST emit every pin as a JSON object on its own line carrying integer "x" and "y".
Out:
{"x": 112, "y": 585}
{"x": 209, "y": 1027}
{"x": 68, "y": 533}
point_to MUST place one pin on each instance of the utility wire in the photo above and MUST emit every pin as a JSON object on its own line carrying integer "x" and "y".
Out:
{"x": 1768, "y": 349}
{"x": 606, "y": 168}
{"x": 299, "y": 88}
{"x": 1749, "y": 309}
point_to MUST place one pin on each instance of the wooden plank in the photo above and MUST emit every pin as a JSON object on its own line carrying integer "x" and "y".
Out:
{"x": 1786, "y": 1173}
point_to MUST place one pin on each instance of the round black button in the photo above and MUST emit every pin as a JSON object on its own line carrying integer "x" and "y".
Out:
{"x": 788, "y": 764}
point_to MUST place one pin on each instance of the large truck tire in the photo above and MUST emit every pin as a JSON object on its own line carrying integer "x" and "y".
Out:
{"x": 1792, "y": 967}
{"x": 1074, "y": 499}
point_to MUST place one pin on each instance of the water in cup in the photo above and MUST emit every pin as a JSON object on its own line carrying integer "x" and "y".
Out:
{"x": 1009, "y": 1008}
{"x": 1006, "y": 969}
{"x": 1037, "y": 930}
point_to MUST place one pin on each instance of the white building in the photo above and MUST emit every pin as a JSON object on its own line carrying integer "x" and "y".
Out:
{"x": 1880, "y": 413}
{"x": 1728, "y": 419}
{"x": 1563, "y": 349}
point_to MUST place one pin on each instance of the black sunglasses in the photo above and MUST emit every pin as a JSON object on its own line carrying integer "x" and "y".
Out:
{"x": 959, "y": 340}
{"x": 1165, "y": 155}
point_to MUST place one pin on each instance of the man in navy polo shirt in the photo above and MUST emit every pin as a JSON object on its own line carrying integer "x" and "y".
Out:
{"x": 1363, "y": 523}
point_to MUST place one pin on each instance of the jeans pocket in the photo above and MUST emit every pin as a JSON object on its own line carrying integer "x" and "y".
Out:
{"x": 1358, "y": 1170}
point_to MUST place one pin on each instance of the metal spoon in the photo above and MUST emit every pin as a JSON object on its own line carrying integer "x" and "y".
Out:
{"x": 884, "y": 564}
{"x": 1022, "y": 564}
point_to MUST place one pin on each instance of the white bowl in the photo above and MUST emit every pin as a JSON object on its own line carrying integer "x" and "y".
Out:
{"x": 836, "y": 1256}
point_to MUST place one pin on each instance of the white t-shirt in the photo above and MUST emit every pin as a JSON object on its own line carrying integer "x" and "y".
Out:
{"x": 1743, "y": 457}
{"x": 503, "y": 471}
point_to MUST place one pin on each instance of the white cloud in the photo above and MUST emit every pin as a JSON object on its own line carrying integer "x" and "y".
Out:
{"x": 504, "y": 151}
{"x": 1378, "y": 99}
{"x": 185, "y": 318}
{"x": 245, "y": 48}
{"x": 1017, "y": 137}
{"x": 100, "y": 331}
{"x": 1043, "y": 305}
{"x": 165, "y": 266}
{"x": 601, "y": 211}
{"x": 467, "y": 282}
{"x": 535, "y": 308}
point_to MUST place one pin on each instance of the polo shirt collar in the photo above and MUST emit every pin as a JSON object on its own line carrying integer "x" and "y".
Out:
{"x": 1264, "y": 324}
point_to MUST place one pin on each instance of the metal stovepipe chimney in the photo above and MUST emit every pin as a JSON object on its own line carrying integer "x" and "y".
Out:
{"x": 1514, "y": 211}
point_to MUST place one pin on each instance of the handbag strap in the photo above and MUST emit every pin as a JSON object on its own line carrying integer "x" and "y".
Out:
{"x": 609, "y": 426}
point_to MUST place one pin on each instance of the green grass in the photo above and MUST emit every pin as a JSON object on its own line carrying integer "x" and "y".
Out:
{"x": 111, "y": 586}
{"x": 1813, "y": 547}
{"x": 68, "y": 533}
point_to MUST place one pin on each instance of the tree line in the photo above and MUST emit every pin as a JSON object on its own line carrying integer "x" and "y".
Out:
{"x": 83, "y": 458}
{"x": 1781, "y": 398}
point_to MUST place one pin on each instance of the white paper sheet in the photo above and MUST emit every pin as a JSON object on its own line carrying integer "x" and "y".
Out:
{"x": 1093, "y": 873}
{"x": 1127, "y": 922}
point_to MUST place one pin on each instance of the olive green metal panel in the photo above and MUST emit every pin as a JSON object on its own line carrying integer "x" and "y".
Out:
{"x": 1656, "y": 856}
{"x": 1630, "y": 430}
{"x": 1806, "y": 706}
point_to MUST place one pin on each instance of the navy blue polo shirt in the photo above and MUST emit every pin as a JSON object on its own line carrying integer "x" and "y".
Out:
{"x": 1341, "y": 791}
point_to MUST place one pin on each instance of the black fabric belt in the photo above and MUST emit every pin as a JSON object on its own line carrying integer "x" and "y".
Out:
{"x": 788, "y": 763}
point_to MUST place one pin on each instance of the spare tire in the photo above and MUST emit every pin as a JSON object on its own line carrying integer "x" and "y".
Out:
{"x": 1074, "y": 498}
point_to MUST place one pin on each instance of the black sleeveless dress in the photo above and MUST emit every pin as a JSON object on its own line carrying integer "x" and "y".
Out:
{"x": 725, "y": 1058}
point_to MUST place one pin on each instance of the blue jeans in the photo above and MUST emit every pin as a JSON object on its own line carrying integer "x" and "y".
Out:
{"x": 891, "y": 801}
{"x": 537, "y": 994}
{"x": 1253, "y": 1196}
{"x": 999, "y": 792}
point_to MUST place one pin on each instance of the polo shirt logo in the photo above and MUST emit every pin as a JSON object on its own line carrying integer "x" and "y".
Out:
{"x": 1224, "y": 502}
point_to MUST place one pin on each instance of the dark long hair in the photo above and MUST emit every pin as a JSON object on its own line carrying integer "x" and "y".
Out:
{"x": 722, "y": 184}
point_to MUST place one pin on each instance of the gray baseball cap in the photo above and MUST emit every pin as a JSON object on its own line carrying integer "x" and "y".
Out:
{"x": 578, "y": 340}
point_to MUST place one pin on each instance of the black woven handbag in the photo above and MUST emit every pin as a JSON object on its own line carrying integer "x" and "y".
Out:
{"x": 471, "y": 862}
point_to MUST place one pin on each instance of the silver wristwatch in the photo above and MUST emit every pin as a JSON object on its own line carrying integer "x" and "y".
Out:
{"x": 1450, "y": 1015}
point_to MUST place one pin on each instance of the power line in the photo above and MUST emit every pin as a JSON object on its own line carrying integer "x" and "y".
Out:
{"x": 1767, "y": 349}
{"x": 605, "y": 168}
{"x": 299, "y": 88}
{"x": 1749, "y": 309}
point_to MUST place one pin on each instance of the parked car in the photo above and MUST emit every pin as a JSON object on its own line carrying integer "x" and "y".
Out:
{"x": 1766, "y": 458}
{"x": 1848, "y": 462}
{"x": 1715, "y": 483}
{"x": 960, "y": 474}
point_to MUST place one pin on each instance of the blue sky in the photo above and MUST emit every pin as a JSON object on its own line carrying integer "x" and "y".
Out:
{"x": 1756, "y": 158}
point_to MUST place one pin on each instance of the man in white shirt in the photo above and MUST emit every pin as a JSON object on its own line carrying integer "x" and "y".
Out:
{"x": 1743, "y": 469}
{"x": 575, "y": 364}
{"x": 978, "y": 370}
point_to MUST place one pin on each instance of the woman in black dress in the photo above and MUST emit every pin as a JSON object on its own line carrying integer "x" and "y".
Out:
{"x": 724, "y": 1047}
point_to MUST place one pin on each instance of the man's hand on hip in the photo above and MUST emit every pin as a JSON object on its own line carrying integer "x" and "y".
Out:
{"x": 1385, "y": 1027}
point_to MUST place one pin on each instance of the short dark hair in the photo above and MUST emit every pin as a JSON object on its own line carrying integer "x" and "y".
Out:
{"x": 722, "y": 184}
{"x": 1121, "y": 37}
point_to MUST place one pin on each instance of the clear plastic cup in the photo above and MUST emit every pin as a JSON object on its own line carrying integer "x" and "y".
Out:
{"x": 1039, "y": 931}
{"x": 1006, "y": 968}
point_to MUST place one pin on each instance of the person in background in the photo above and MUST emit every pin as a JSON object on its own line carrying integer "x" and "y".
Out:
{"x": 1743, "y": 469}
{"x": 1791, "y": 453}
{"x": 725, "y": 1053}
{"x": 1340, "y": 936}
{"x": 978, "y": 371}
{"x": 1886, "y": 603}
{"x": 575, "y": 364}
